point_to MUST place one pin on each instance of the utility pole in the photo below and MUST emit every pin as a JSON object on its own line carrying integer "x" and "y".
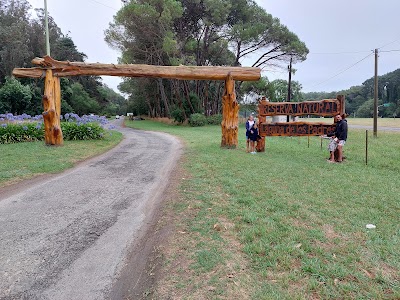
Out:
{"x": 376, "y": 95}
{"x": 46, "y": 20}
{"x": 289, "y": 92}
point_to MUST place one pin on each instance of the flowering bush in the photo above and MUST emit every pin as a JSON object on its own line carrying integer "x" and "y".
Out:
{"x": 26, "y": 132}
{"x": 25, "y": 128}
{"x": 87, "y": 131}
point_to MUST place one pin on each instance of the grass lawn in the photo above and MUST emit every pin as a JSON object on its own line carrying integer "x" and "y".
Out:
{"x": 382, "y": 122}
{"x": 283, "y": 224}
{"x": 25, "y": 160}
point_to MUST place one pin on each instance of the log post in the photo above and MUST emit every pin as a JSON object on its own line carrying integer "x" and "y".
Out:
{"x": 341, "y": 98}
{"x": 230, "y": 115}
{"x": 52, "y": 110}
{"x": 261, "y": 119}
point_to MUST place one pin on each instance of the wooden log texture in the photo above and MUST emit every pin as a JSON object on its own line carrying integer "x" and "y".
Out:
{"x": 295, "y": 129}
{"x": 230, "y": 115}
{"x": 66, "y": 68}
{"x": 260, "y": 147}
{"x": 326, "y": 108}
{"x": 52, "y": 110}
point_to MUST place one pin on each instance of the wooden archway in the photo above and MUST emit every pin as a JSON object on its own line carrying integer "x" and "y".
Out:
{"x": 52, "y": 70}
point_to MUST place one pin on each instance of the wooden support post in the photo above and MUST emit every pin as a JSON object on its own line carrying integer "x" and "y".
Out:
{"x": 230, "y": 115}
{"x": 261, "y": 119}
{"x": 342, "y": 101}
{"x": 52, "y": 110}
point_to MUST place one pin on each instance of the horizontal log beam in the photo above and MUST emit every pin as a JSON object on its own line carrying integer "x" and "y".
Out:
{"x": 66, "y": 68}
{"x": 29, "y": 72}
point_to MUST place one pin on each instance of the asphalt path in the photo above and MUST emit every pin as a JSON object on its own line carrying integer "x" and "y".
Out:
{"x": 67, "y": 236}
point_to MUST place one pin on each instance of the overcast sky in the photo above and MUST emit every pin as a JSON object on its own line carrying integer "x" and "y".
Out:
{"x": 340, "y": 35}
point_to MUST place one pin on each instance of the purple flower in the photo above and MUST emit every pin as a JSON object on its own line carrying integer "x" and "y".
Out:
{"x": 4, "y": 125}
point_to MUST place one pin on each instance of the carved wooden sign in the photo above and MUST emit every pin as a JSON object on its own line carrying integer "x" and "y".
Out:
{"x": 326, "y": 108}
{"x": 295, "y": 129}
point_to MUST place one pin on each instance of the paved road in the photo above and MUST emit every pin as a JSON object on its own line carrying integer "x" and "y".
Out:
{"x": 67, "y": 236}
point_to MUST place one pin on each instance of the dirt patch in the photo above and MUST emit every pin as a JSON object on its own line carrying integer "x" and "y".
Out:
{"x": 141, "y": 271}
{"x": 329, "y": 232}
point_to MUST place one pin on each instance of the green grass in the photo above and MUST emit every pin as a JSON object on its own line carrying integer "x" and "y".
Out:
{"x": 382, "y": 122}
{"x": 25, "y": 160}
{"x": 293, "y": 226}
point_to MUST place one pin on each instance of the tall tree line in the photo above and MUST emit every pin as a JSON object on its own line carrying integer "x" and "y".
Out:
{"x": 360, "y": 99}
{"x": 22, "y": 37}
{"x": 198, "y": 33}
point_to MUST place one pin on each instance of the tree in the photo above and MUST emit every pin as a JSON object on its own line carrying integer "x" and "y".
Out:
{"x": 196, "y": 32}
{"x": 64, "y": 48}
{"x": 23, "y": 38}
{"x": 80, "y": 101}
{"x": 143, "y": 32}
{"x": 252, "y": 30}
{"x": 115, "y": 103}
{"x": 14, "y": 97}
{"x": 255, "y": 89}
{"x": 14, "y": 32}
{"x": 366, "y": 110}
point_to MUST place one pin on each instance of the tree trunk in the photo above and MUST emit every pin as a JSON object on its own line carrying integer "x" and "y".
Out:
{"x": 187, "y": 92}
{"x": 206, "y": 103}
{"x": 230, "y": 115}
{"x": 217, "y": 98}
{"x": 151, "y": 109}
{"x": 175, "y": 87}
{"x": 163, "y": 97}
{"x": 52, "y": 110}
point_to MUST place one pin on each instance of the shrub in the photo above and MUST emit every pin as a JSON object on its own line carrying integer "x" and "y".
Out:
{"x": 24, "y": 128}
{"x": 214, "y": 119}
{"x": 196, "y": 120}
{"x": 178, "y": 115}
{"x": 88, "y": 131}
{"x": 24, "y": 132}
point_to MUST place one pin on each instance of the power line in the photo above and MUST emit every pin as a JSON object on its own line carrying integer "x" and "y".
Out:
{"x": 104, "y": 5}
{"x": 342, "y": 71}
{"x": 397, "y": 50}
{"x": 389, "y": 44}
{"x": 350, "y": 52}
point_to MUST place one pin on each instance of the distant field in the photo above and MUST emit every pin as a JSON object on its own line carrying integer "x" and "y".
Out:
{"x": 384, "y": 122}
